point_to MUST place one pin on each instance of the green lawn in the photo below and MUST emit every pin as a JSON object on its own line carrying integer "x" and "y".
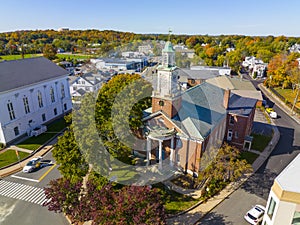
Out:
{"x": 173, "y": 201}
{"x": 289, "y": 94}
{"x": 260, "y": 142}
{"x": 14, "y": 57}
{"x": 249, "y": 156}
{"x": 34, "y": 143}
{"x": 8, "y": 157}
{"x": 73, "y": 56}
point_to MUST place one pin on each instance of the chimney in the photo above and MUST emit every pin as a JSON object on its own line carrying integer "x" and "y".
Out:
{"x": 226, "y": 98}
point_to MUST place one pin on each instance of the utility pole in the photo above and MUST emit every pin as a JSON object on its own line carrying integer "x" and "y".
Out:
{"x": 296, "y": 97}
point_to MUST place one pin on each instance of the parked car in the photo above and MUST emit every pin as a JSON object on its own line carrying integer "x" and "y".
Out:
{"x": 32, "y": 165}
{"x": 271, "y": 113}
{"x": 255, "y": 215}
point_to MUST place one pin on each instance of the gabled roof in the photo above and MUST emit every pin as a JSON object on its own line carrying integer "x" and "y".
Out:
{"x": 19, "y": 73}
{"x": 232, "y": 83}
{"x": 201, "y": 110}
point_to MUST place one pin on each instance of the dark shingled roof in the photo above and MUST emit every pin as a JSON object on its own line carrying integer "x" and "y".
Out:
{"x": 240, "y": 105}
{"x": 201, "y": 110}
{"x": 19, "y": 73}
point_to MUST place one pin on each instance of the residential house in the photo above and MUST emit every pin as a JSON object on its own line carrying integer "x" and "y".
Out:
{"x": 33, "y": 92}
{"x": 79, "y": 85}
{"x": 283, "y": 206}
{"x": 256, "y": 67}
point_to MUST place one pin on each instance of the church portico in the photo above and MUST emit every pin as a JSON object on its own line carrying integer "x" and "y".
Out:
{"x": 166, "y": 145}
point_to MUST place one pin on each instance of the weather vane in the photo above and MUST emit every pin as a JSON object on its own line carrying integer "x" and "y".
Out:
{"x": 170, "y": 31}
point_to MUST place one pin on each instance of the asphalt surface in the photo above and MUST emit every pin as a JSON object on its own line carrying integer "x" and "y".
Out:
{"x": 22, "y": 196}
{"x": 256, "y": 189}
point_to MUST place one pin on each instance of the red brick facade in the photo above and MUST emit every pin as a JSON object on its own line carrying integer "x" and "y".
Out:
{"x": 169, "y": 107}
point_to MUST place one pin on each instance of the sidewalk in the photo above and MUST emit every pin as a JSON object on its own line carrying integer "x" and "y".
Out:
{"x": 6, "y": 171}
{"x": 194, "y": 215}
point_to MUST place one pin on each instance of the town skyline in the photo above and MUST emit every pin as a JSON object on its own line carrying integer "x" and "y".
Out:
{"x": 193, "y": 17}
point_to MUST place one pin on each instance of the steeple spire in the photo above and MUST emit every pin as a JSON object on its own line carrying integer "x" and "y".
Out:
{"x": 169, "y": 37}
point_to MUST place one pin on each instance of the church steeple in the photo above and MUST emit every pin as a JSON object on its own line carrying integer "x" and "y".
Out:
{"x": 168, "y": 53}
{"x": 167, "y": 95}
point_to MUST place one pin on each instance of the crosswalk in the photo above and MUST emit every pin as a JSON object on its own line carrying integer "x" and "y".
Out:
{"x": 23, "y": 192}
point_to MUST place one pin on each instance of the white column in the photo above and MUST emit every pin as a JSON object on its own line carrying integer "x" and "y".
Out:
{"x": 160, "y": 154}
{"x": 172, "y": 152}
{"x": 148, "y": 153}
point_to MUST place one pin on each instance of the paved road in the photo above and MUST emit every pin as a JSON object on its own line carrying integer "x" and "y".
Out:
{"x": 22, "y": 196}
{"x": 256, "y": 189}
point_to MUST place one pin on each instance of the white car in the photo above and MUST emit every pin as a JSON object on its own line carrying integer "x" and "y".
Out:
{"x": 32, "y": 165}
{"x": 255, "y": 215}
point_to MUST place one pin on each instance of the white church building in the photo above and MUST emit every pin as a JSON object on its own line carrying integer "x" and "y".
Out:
{"x": 33, "y": 92}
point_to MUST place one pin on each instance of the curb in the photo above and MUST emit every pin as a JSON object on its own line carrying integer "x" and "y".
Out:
{"x": 30, "y": 156}
{"x": 279, "y": 103}
{"x": 268, "y": 149}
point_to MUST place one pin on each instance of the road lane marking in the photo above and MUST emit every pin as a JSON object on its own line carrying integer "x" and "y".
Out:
{"x": 25, "y": 178}
{"x": 47, "y": 172}
{"x": 31, "y": 194}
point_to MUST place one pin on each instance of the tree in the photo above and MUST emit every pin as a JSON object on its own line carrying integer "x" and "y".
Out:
{"x": 50, "y": 51}
{"x": 63, "y": 196}
{"x": 72, "y": 164}
{"x": 130, "y": 205}
{"x": 105, "y": 205}
{"x": 120, "y": 94}
{"x": 225, "y": 167}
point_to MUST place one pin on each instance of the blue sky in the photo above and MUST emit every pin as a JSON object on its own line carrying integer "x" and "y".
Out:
{"x": 212, "y": 17}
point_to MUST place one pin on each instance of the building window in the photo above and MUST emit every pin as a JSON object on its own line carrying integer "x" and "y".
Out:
{"x": 271, "y": 208}
{"x": 65, "y": 106}
{"x": 26, "y": 105}
{"x": 44, "y": 117}
{"x": 229, "y": 135}
{"x": 161, "y": 103}
{"x": 11, "y": 112}
{"x": 87, "y": 88}
{"x": 231, "y": 120}
{"x": 16, "y": 130}
{"x": 74, "y": 88}
{"x": 62, "y": 89}
{"x": 52, "y": 95}
{"x": 55, "y": 111}
{"x": 236, "y": 134}
{"x": 40, "y": 99}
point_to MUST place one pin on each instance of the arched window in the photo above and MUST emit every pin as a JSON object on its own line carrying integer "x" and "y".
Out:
{"x": 62, "y": 89}
{"x": 40, "y": 99}
{"x": 52, "y": 94}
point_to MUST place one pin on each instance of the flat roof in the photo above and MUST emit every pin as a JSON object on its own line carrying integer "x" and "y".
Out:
{"x": 288, "y": 179}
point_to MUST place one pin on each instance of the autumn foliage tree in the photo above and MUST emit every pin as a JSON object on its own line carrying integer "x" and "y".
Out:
{"x": 107, "y": 205}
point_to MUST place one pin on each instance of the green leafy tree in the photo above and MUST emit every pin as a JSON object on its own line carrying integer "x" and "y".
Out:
{"x": 72, "y": 164}
{"x": 50, "y": 51}
{"x": 107, "y": 99}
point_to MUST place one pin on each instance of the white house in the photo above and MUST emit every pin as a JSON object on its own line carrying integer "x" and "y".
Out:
{"x": 79, "y": 85}
{"x": 283, "y": 205}
{"x": 32, "y": 92}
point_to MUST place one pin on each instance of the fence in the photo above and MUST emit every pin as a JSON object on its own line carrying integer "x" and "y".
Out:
{"x": 289, "y": 104}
